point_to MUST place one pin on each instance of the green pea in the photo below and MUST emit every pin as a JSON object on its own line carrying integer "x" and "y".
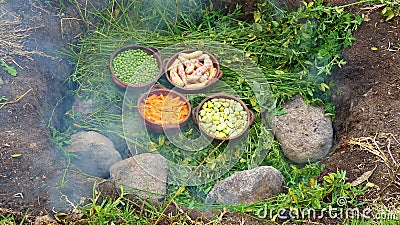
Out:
{"x": 135, "y": 66}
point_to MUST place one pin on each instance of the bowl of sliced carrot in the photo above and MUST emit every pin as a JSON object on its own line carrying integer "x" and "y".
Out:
{"x": 163, "y": 109}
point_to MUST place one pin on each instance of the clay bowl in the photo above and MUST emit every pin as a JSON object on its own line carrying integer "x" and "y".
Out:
{"x": 157, "y": 127}
{"x": 250, "y": 116}
{"x": 150, "y": 51}
{"x": 170, "y": 61}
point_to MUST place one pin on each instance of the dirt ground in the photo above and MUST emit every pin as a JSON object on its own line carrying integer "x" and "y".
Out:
{"x": 30, "y": 166}
{"x": 366, "y": 95}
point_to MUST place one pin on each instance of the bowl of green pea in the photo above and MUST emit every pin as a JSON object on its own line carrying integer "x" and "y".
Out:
{"x": 136, "y": 66}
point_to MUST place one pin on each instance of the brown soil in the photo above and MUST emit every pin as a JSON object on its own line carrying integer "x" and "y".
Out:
{"x": 367, "y": 97}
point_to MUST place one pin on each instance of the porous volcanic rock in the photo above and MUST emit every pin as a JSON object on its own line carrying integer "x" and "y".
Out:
{"x": 145, "y": 174}
{"x": 248, "y": 186}
{"x": 304, "y": 132}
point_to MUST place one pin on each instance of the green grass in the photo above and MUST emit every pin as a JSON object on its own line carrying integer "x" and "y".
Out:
{"x": 7, "y": 219}
{"x": 294, "y": 54}
{"x": 122, "y": 210}
{"x": 12, "y": 219}
{"x": 128, "y": 209}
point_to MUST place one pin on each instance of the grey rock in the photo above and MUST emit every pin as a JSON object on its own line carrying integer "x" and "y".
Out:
{"x": 146, "y": 174}
{"x": 1, "y": 81}
{"x": 87, "y": 106}
{"x": 248, "y": 186}
{"x": 304, "y": 132}
{"x": 94, "y": 152}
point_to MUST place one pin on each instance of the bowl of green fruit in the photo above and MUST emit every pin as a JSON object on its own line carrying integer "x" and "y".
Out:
{"x": 136, "y": 66}
{"x": 223, "y": 117}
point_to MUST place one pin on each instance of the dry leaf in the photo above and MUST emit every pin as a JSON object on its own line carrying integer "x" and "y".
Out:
{"x": 363, "y": 178}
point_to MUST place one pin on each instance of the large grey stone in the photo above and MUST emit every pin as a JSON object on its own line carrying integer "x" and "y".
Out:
{"x": 1, "y": 81}
{"x": 304, "y": 132}
{"x": 87, "y": 106}
{"x": 146, "y": 174}
{"x": 248, "y": 186}
{"x": 94, "y": 152}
